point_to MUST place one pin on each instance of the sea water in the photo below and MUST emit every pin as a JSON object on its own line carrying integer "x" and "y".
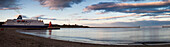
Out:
{"x": 109, "y": 36}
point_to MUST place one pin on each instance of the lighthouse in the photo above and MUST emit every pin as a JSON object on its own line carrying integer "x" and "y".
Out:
{"x": 50, "y": 25}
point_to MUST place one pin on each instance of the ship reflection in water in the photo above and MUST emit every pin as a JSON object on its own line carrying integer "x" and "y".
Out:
{"x": 110, "y": 36}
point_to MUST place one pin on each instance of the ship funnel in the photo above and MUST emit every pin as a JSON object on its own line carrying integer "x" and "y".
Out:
{"x": 19, "y": 17}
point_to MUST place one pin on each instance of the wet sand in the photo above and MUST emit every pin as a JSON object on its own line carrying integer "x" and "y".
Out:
{"x": 10, "y": 38}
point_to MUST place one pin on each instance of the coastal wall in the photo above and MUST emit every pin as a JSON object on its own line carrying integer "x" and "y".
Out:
{"x": 68, "y": 26}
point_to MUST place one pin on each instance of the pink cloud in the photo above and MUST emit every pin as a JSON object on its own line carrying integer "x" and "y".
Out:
{"x": 58, "y": 4}
{"x": 114, "y": 17}
{"x": 149, "y": 7}
{"x": 9, "y": 8}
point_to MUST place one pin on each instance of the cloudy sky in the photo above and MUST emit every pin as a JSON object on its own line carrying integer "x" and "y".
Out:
{"x": 106, "y": 13}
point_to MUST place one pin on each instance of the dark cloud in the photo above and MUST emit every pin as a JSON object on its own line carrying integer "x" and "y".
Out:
{"x": 41, "y": 17}
{"x": 102, "y": 13}
{"x": 136, "y": 0}
{"x": 127, "y": 0}
{"x": 58, "y": 4}
{"x": 150, "y": 7}
{"x": 157, "y": 15}
{"x": 137, "y": 23}
{"x": 150, "y": 15}
{"x": 23, "y": 16}
{"x": 47, "y": 18}
{"x": 44, "y": 18}
{"x": 8, "y": 4}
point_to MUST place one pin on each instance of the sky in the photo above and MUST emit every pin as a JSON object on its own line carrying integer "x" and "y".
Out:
{"x": 105, "y": 13}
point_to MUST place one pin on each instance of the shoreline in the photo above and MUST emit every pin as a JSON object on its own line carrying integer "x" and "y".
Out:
{"x": 114, "y": 27}
{"x": 10, "y": 38}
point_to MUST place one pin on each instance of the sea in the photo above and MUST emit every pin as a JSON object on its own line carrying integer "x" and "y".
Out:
{"x": 107, "y": 36}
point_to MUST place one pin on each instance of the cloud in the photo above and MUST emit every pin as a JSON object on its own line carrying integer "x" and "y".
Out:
{"x": 102, "y": 13}
{"x": 145, "y": 23}
{"x": 41, "y": 17}
{"x": 128, "y": 0}
{"x": 38, "y": 16}
{"x": 131, "y": 15}
{"x": 47, "y": 18}
{"x": 156, "y": 15}
{"x": 150, "y": 7}
{"x": 74, "y": 14}
{"x": 114, "y": 17}
{"x": 161, "y": 17}
{"x": 165, "y": 14}
{"x": 9, "y": 8}
{"x": 58, "y": 4}
{"x": 136, "y": 0}
{"x": 148, "y": 11}
{"x": 137, "y": 23}
{"x": 8, "y": 4}
{"x": 23, "y": 16}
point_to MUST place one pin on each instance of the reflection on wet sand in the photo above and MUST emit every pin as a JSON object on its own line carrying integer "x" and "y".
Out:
{"x": 50, "y": 32}
{"x": 35, "y": 31}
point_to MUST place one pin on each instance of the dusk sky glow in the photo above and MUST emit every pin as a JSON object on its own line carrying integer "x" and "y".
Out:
{"x": 106, "y": 13}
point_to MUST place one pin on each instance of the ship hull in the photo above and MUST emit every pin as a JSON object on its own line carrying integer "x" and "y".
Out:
{"x": 22, "y": 26}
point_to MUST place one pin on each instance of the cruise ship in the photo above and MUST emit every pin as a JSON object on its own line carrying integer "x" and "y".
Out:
{"x": 23, "y": 23}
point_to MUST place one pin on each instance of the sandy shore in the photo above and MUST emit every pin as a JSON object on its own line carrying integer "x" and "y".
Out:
{"x": 10, "y": 38}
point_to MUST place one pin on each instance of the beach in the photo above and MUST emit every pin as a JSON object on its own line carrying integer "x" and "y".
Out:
{"x": 10, "y": 38}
